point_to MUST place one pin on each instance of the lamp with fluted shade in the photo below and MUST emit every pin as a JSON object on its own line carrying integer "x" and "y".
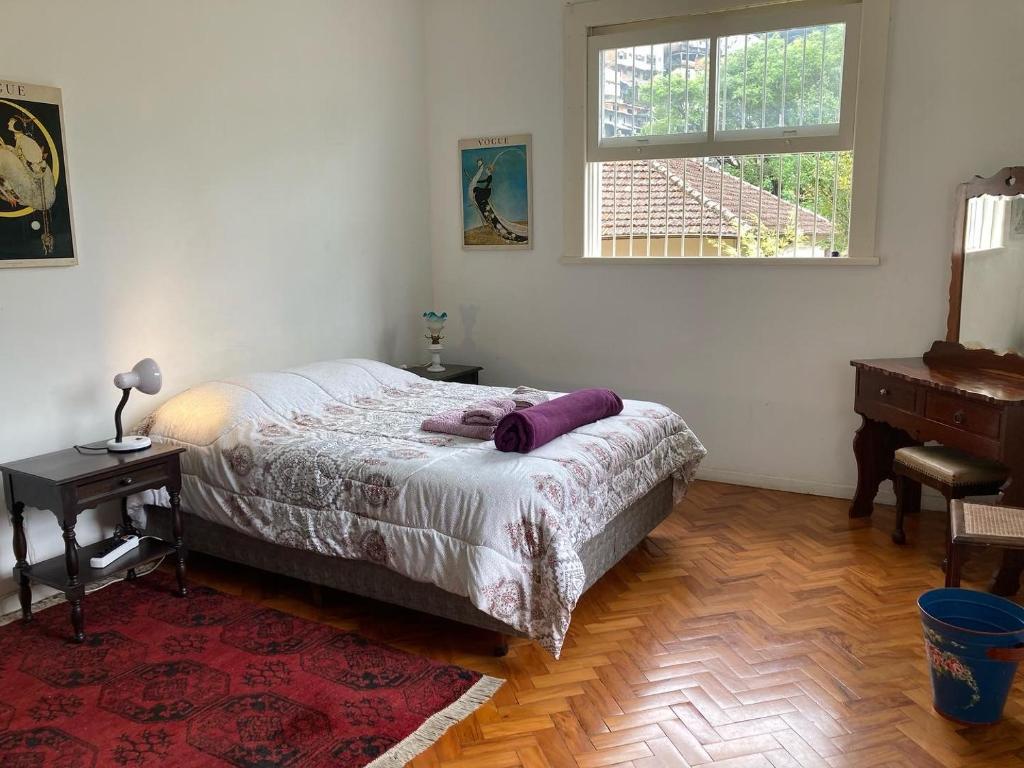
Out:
{"x": 145, "y": 377}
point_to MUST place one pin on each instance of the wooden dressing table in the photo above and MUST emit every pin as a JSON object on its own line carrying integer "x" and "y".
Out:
{"x": 967, "y": 398}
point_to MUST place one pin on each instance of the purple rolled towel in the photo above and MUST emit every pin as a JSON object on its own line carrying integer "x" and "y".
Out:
{"x": 530, "y": 428}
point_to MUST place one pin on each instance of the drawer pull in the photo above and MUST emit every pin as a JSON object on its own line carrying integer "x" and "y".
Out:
{"x": 126, "y": 481}
{"x": 958, "y": 417}
{"x": 882, "y": 391}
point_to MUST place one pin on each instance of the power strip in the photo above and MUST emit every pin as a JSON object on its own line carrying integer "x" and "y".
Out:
{"x": 127, "y": 545}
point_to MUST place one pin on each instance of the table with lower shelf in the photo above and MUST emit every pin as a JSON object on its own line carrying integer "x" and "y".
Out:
{"x": 71, "y": 481}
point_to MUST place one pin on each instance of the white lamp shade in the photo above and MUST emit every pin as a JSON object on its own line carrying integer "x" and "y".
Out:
{"x": 144, "y": 376}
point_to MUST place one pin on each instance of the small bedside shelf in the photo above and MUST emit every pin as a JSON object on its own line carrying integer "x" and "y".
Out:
{"x": 460, "y": 374}
{"x": 54, "y": 573}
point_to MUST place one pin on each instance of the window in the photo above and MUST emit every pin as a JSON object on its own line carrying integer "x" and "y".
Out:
{"x": 724, "y": 134}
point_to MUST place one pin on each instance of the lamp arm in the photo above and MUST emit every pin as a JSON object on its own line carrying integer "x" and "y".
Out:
{"x": 117, "y": 413}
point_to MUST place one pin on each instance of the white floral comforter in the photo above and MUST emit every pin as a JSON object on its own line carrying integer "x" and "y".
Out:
{"x": 330, "y": 458}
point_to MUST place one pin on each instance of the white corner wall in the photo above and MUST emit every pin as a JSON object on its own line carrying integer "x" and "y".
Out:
{"x": 248, "y": 185}
{"x": 755, "y": 358}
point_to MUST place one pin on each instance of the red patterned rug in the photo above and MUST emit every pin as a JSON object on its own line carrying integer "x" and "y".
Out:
{"x": 213, "y": 680}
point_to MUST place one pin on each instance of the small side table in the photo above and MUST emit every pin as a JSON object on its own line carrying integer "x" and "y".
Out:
{"x": 461, "y": 374}
{"x": 69, "y": 482}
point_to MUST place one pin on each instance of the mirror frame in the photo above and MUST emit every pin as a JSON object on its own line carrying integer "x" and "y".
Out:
{"x": 1008, "y": 181}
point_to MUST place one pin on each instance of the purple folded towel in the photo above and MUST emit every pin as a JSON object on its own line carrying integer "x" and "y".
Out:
{"x": 530, "y": 428}
{"x": 488, "y": 412}
{"x": 450, "y": 423}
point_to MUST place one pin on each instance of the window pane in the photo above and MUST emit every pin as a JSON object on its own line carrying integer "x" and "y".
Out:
{"x": 783, "y": 79}
{"x": 655, "y": 90}
{"x": 760, "y": 206}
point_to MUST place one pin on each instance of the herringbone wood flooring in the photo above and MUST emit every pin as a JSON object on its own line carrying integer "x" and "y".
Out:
{"x": 753, "y": 628}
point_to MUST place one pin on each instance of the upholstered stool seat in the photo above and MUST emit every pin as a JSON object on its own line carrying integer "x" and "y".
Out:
{"x": 980, "y": 524}
{"x": 952, "y": 473}
{"x": 950, "y": 466}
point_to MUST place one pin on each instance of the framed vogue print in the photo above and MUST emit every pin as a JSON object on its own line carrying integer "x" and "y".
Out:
{"x": 36, "y": 228}
{"x": 497, "y": 193}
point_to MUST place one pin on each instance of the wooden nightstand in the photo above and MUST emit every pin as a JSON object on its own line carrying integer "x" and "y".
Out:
{"x": 68, "y": 482}
{"x": 462, "y": 374}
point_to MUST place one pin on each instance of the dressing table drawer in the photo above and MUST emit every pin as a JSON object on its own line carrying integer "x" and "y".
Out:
{"x": 963, "y": 414}
{"x": 887, "y": 390}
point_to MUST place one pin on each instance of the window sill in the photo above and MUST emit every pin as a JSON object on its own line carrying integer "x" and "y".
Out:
{"x": 795, "y": 262}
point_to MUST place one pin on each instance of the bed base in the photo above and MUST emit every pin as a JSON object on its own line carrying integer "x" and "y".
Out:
{"x": 374, "y": 581}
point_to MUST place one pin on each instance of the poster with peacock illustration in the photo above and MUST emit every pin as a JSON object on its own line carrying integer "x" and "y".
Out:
{"x": 35, "y": 204}
{"x": 496, "y": 194}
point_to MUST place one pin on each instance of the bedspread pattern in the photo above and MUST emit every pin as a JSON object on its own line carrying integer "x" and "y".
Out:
{"x": 331, "y": 458}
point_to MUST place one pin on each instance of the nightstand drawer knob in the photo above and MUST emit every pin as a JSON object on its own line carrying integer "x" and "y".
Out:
{"x": 126, "y": 481}
{"x": 882, "y": 391}
{"x": 958, "y": 417}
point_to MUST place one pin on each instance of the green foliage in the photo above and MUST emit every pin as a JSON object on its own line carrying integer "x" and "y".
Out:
{"x": 765, "y": 241}
{"x": 825, "y": 183}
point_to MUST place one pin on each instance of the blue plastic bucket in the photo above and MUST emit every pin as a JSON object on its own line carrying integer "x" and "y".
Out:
{"x": 973, "y": 641}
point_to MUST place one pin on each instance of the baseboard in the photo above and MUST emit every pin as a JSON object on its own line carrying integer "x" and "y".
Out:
{"x": 929, "y": 498}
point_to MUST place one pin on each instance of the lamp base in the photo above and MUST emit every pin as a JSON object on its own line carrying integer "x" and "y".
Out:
{"x": 129, "y": 443}
{"x": 435, "y": 358}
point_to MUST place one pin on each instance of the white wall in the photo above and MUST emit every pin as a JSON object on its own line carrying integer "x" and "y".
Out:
{"x": 247, "y": 178}
{"x": 754, "y": 357}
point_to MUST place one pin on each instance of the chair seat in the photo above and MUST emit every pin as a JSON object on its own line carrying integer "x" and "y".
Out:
{"x": 949, "y": 466}
{"x": 987, "y": 524}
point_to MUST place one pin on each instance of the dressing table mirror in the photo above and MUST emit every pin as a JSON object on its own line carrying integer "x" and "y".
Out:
{"x": 986, "y": 291}
{"x": 967, "y": 391}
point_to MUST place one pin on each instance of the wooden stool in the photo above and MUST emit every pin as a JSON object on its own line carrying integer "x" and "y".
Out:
{"x": 982, "y": 524}
{"x": 952, "y": 473}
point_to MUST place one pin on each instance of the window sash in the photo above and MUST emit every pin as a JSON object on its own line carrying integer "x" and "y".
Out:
{"x": 714, "y": 26}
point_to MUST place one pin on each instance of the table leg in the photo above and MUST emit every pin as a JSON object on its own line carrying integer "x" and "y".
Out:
{"x": 21, "y": 563}
{"x": 71, "y": 563}
{"x": 179, "y": 543}
{"x": 126, "y": 522}
{"x": 873, "y": 446}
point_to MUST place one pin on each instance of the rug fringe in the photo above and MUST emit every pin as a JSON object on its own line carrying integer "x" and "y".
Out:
{"x": 435, "y": 726}
{"x": 37, "y": 606}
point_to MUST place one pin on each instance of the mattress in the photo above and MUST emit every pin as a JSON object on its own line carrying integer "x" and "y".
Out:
{"x": 330, "y": 458}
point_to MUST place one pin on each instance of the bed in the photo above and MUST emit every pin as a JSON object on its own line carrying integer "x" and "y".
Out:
{"x": 323, "y": 473}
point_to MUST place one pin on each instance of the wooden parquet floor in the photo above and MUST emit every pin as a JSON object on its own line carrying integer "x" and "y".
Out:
{"x": 753, "y": 629}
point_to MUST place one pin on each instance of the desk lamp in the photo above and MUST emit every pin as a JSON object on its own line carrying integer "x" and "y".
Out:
{"x": 145, "y": 377}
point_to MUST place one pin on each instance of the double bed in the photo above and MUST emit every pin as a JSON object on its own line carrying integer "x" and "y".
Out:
{"x": 323, "y": 473}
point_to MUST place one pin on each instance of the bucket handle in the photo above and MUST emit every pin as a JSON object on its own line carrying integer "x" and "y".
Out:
{"x": 1006, "y": 654}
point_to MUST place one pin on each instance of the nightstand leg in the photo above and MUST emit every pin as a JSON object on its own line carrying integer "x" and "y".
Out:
{"x": 126, "y": 522}
{"x": 71, "y": 563}
{"x": 179, "y": 543}
{"x": 77, "y": 621}
{"x": 20, "y": 553}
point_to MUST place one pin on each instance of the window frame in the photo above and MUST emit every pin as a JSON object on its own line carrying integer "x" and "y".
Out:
{"x": 609, "y": 21}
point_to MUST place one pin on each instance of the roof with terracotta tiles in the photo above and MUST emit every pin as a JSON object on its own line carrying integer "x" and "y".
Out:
{"x": 637, "y": 193}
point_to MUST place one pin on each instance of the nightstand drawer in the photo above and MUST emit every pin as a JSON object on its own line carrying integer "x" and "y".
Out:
{"x": 119, "y": 485}
{"x": 962, "y": 414}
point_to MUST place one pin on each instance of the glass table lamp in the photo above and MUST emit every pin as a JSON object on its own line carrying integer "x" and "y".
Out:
{"x": 435, "y": 324}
